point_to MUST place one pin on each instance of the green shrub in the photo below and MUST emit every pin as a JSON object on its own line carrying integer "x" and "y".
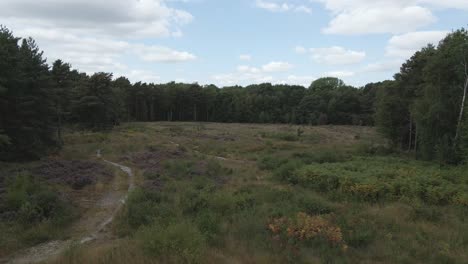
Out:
{"x": 425, "y": 212}
{"x": 271, "y": 162}
{"x": 316, "y": 179}
{"x": 285, "y": 172}
{"x": 214, "y": 170}
{"x": 142, "y": 208}
{"x": 151, "y": 175}
{"x": 192, "y": 202}
{"x": 179, "y": 168}
{"x": 360, "y": 235}
{"x": 370, "y": 192}
{"x": 248, "y": 227}
{"x": 244, "y": 199}
{"x": 384, "y": 178}
{"x": 209, "y": 224}
{"x": 280, "y": 136}
{"x": 179, "y": 242}
{"x": 322, "y": 156}
{"x": 223, "y": 203}
{"x": 34, "y": 202}
{"x": 313, "y": 204}
{"x": 369, "y": 149}
{"x": 359, "y": 229}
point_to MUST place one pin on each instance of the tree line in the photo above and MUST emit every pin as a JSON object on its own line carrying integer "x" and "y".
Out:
{"x": 419, "y": 111}
{"x": 423, "y": 109}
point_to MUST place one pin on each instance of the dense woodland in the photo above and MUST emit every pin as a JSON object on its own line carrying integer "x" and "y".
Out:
{"x": 420, "y": 111}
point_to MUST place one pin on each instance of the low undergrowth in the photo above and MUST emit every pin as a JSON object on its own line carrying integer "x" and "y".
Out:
{"x": 190, "y": 215}
{"x": 32, "y": 212}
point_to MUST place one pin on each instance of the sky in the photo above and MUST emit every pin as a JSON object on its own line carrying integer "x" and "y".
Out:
{"x": 235, "y": 42}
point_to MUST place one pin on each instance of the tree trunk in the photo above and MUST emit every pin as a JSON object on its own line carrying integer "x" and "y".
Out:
{"x": 416, "y": 139}
{"x": 410, "y": 134}
{"x": 59, "y": 126}
{"x": 462, "y": 109}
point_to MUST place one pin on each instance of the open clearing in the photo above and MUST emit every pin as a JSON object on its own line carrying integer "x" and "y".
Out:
{"x": 245, "y": 193}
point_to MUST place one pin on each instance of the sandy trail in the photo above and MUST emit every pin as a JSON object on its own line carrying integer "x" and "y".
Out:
{"x": 104, "y": 212}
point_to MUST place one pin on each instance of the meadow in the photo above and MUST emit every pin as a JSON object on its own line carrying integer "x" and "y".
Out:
{"x": 241, "y": 193}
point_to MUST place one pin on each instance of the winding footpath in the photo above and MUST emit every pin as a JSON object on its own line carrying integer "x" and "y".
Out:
{"x": 109, "y": 201}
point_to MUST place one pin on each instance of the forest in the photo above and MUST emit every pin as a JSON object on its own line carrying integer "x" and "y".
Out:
{"x": 421, "y": 110}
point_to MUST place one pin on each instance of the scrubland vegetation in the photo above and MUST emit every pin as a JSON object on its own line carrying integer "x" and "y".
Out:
{"x": 211, "y": 193}
{"x": 308, "y": 189}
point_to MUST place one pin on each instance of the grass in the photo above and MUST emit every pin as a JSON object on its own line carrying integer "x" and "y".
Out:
{"x": 268, "y": 194}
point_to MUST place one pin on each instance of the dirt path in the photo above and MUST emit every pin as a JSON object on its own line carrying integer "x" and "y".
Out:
{"x": 93, "y": 226}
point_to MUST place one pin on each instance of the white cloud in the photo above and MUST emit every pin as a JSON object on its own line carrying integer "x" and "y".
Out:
{"x": 245, "y": 74}
{"x": 93, "y": 35}
{"x": 406, "y": 45}
{"x": 338, "y": 74}
{"x": 337, "y": 55}
{"x": 384, "y": 66}
{"x": 239, "y": 78}
{"x": 354, "y": 17}
{"x": 277, "y": 66}
{"x": 129, "y": 18}
{"x": 453, "y": 4}
{"x": 162, "y": 54}
{"x": 300, "y": 80}
{"x": 140, "y": 76}
{"x": 282, "y": 7}
{"x": 245, "y": 57}
{"x": 274, "y": 66}
{"x": 380, "y": 20}
{"x": 248, "y": 69}
{"x": 303, "y": 9}
{"x": 91, "y": 54}
{"x": 300, "y": 50}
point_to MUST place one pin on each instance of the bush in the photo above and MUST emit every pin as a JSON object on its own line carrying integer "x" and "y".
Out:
{"x": 192, "y": 202}
{"x": 313, "y": 204}
{"x": 367, "y": 149}
{"x": 142, "y": 208}
{"x": 33, "y": 202}
{"x": 424, "y": 212}
{"x": 178, "y": 169}
{"x": 280, "y": 136}
{"x": 215, "y": 171}
{"x": 271, "y": 162}
{"x": 316, "y": 179}
{"x": 177, "y": 242}
{"x": 209, "y": 223}
{"x": 359, "y": 229}
{"x": 322, "y": 156}
{"x": 285, "y": 172}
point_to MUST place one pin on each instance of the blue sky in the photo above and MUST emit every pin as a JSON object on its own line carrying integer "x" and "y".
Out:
{"x": 235, "y": 42}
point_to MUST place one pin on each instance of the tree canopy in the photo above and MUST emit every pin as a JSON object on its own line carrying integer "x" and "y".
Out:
{"x": 421, "y": 110}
